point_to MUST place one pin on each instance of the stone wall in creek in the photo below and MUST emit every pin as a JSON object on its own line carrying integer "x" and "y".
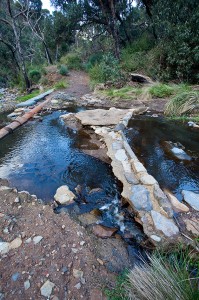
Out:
{"x": 153, "y": 208}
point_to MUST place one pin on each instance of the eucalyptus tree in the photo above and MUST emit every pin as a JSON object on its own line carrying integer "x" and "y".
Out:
{"x": 11, "y": 17}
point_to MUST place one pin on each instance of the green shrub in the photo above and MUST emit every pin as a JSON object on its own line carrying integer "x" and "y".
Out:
{"x": 182, "y": 103}
{"x": 44, "y": 81}
{"x": 34, "y": 75}
{"x": 63, "y": 70}
{"x": 72, "y": 61}
{"x": 118, "y": 292}
{"x": 161, "y": 90}
{"x": 61, "y": 85}
{"x": 108, "y": 70}
{"x": 93, "y": 60}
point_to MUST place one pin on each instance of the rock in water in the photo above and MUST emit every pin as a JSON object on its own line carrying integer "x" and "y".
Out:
{"x": 191, "y": 198}
{"x": 176, "y": 204}
{"x": 64, "y": 195}
{"x": 180, "y": 154}
{"x": 46, "y": 289}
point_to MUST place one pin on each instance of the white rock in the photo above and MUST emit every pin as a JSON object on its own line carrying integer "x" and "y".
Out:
{"x": 191, "y": 198}
{"x": 26, "y": 284}
{"x": 28, "y": 240}
{"x": 138, "y": 167}
{"x": 167, "y": 226}
{"x": 37, "y": 239}
{"x": 78, "y": 286}
{"x": 64, "y": 195}
{"x": 121, "y": 155}
{"x": 16, "y": 243}
{"x": 4, "y": 247}
{"x": 155, "y": 238}
{"x": 176, "y": 204}
{"x": 46, "y": 289}
{"x": 148, "y": 179}
{"x": 126, "y": 166}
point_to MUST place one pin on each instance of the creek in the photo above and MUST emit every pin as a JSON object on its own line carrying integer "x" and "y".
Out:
{"x": 148, "y": 137}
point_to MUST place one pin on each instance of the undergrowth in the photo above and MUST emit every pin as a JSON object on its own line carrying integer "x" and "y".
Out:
{"x": 61, "y": 85}
{"x": 28, "y": 96}
{"x": 125, "y": 93}
{"x": 118, "y": 292}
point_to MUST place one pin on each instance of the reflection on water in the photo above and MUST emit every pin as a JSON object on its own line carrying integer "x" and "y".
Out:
{"x": 41, "y": 156}
{"x": 146, "y": 136}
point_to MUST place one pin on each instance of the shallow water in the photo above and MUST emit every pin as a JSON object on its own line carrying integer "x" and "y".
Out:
{"x": 147, "y": 135}
{"x": 41, "y": 156}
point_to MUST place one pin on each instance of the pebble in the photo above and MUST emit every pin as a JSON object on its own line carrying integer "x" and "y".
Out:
{"x": 37, "y": 239}
{"x": 77, "y": 273}
{"x": 15, "y": 276}
{"x": 82, "y": 243}
{"x": 46, "y": 289}
{"x": 64, "y": 270}
{"x": 26, "y": 284}
{"x": 16, "y": 243}
{"x": 78, "y": 286}
{"x": 28, "y": 240}
{"x": 74, "y": 250}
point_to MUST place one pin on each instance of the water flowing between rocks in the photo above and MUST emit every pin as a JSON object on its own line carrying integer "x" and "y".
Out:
{"x": 43, "y": 155}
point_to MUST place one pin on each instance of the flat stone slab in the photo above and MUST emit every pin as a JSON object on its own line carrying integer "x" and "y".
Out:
{"x": 34, "y": 100}
{"x": 101, "y": 117}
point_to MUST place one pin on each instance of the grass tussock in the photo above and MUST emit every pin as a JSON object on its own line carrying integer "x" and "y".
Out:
{"x": 124, "y": 93}
{"x": 62, "y": 84}
{"x": 163, "y": 279}
{"x": 182, "y": 103}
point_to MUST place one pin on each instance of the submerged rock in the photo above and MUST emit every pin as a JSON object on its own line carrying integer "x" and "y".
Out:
{"x": 191, "y": 198}
{"x": 64, "y": 195}
{"x": 176, "y": 150}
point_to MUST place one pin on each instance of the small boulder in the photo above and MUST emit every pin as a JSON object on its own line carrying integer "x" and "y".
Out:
{"x": 161, "y": 223}
{"x": 191, "y": 198}
{"x": 64, "y": 195}
{"x": 176, "y": 204}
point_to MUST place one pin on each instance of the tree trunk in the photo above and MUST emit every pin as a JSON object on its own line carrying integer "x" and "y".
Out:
{"x": 20, "y": 55}
{"x": 114, "y": 29}
{"x": 49, "y": 59}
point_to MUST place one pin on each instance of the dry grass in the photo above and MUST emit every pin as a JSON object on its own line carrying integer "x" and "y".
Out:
{"x": 161, "y": 280}
{"x": 182, "y": 104}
